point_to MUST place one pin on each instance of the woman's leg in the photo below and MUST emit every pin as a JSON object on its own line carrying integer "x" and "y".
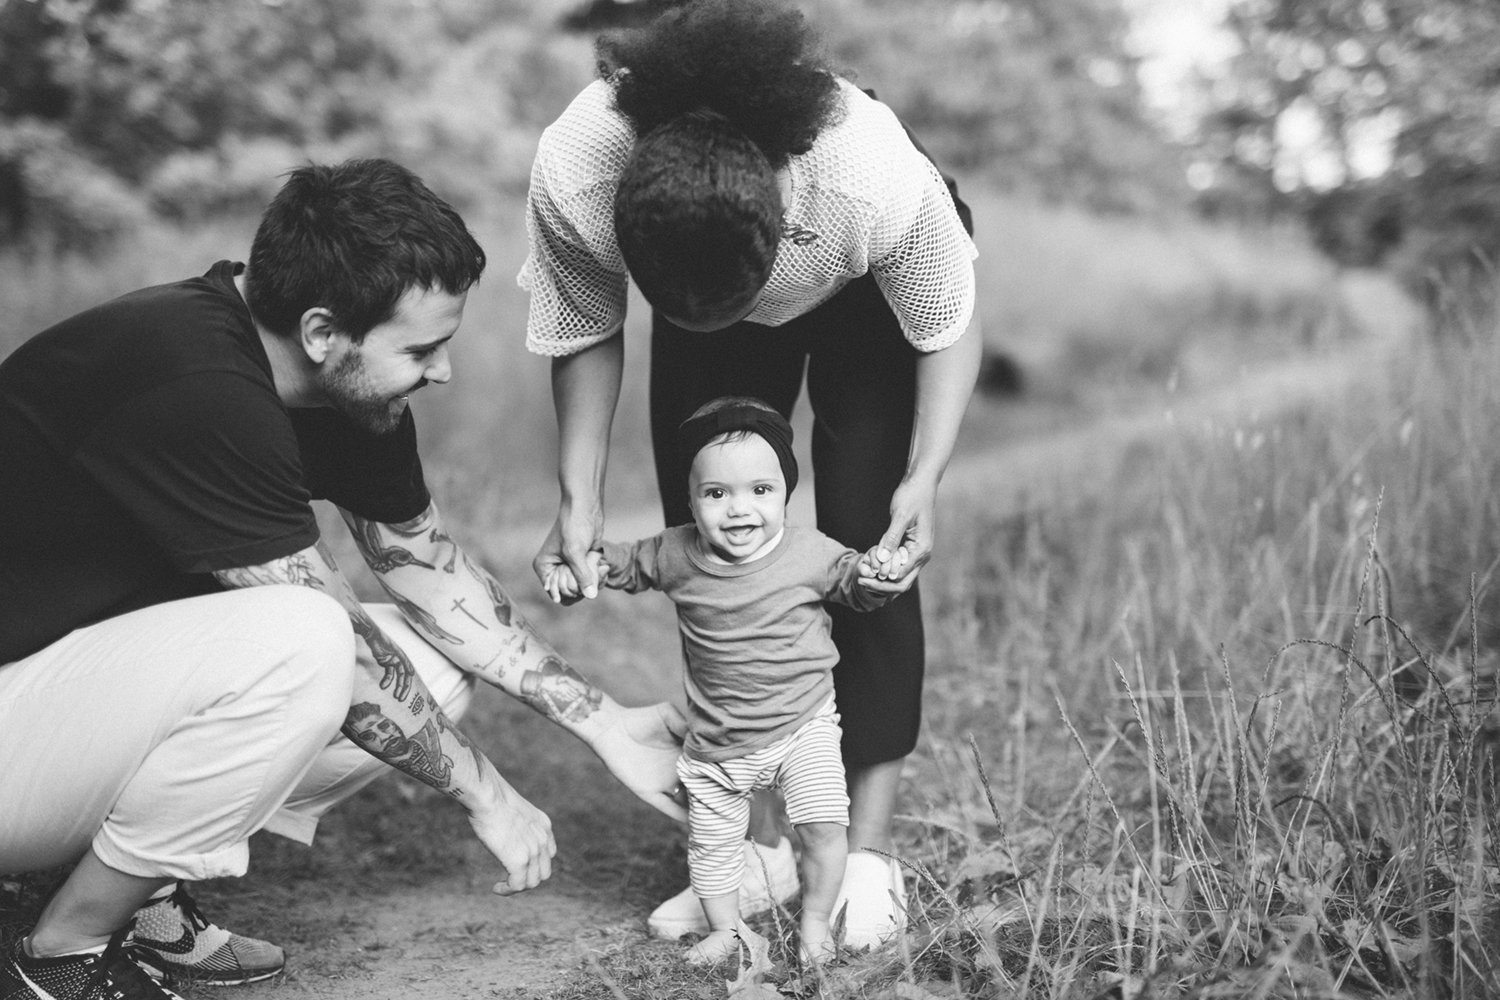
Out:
{"x": 862, "y": 385}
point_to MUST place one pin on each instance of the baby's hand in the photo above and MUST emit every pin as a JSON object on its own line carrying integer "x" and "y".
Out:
{"x": 884, "y": 576}
{"x": 561, "y": 582}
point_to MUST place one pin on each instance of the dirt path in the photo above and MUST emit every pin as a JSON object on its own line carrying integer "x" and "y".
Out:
{"x": 447, "y": 937}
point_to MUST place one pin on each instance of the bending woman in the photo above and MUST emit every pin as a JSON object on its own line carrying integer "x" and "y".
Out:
{"x": 777, "y": 219}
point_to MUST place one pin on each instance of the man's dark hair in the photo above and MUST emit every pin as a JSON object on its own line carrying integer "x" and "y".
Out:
{"x": 353, "y": 239}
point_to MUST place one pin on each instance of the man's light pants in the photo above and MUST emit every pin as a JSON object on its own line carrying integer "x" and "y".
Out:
{"x": 164, "y": 738}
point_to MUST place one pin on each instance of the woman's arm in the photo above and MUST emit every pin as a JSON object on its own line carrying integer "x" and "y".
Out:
{"x": 585, "y": 390}
{"x": 945, "y": 380}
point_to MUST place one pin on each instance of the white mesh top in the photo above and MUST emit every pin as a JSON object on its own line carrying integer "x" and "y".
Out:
{"x": 864, "y": 199}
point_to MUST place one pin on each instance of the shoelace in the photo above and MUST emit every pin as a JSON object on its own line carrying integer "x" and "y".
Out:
{"x": 189, "y": 907}
{"x": 116, "y": 975}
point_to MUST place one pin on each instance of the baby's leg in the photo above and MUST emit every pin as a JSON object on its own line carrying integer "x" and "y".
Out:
{"x": 817, "y": 803}
{"x": 825, "y": 847}
{"x": 718, "y": 815}
{"x": 726, "y": 927}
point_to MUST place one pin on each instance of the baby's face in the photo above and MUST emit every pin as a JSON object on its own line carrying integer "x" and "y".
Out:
{"x": 738, "y": 496}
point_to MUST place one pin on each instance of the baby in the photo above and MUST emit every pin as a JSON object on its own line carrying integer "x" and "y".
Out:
{"x": 749, "y": 592}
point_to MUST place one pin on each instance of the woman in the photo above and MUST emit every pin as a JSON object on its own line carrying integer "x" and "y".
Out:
{"x": 776, "y": 218}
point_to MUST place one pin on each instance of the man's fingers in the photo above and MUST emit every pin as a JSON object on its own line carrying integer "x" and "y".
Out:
{"x": 527, "y": 873}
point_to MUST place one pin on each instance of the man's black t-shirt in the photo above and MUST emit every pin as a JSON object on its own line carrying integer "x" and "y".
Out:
{"x": 143, "y": 446}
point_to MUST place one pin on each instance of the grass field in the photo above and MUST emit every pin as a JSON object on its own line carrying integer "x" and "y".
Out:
{"x": 1220, "y": 727}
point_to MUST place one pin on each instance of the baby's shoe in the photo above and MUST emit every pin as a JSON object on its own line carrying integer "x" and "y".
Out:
{"x": 683, "y": 914}
{"x": 872, "y": 899}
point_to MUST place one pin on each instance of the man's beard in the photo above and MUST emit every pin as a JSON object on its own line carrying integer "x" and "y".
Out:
{"x": 348, "y": 389}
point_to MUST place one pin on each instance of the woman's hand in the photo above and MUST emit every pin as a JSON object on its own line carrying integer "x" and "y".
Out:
{"x": 911, "y": 529}
{"x": 566, "y": 552}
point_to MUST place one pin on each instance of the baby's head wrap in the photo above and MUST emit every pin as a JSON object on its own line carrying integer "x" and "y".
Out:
{"x": 696, "y": 432}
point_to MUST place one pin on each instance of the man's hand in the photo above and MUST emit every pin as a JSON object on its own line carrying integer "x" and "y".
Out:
{"x": 640, "y": 747}
{"x": 519, "y": 835}
{"x": 567, "y": 546}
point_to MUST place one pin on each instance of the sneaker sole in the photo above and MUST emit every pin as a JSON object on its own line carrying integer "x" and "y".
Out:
{"x": 161, "y": 972}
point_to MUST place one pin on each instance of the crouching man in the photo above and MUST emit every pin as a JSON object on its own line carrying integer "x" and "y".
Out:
{"x": 178, "y": 651}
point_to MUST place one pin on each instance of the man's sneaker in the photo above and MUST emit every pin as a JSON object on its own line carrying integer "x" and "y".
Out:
{"x": 108, "y": 974}
{"x": 873, "y": 900}
{"x": 175, "y": 943}
{"x": 683, "y": 914}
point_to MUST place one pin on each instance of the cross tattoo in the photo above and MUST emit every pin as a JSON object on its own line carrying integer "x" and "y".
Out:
{"x": 458, "y": 605}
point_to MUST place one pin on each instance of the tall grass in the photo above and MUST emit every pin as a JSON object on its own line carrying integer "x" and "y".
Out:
{"x": 1233, "y": 727}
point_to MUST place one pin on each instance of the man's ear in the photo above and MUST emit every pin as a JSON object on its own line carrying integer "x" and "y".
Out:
{"x": 316, "y": 332}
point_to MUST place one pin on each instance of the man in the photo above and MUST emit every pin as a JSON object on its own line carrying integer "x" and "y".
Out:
{"x": 176, "y": 651}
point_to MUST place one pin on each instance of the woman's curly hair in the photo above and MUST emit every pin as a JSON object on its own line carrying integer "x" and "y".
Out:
{"x": 756, "y": 62}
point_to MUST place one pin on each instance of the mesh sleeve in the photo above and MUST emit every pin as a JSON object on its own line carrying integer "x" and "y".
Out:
{"x": 573, "y": 267}
{"x": 921, "y": 256}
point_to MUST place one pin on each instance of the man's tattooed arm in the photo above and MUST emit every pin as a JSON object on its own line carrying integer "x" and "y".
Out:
{"x": 393, "y": 715}
{"x": 462, "y": 609}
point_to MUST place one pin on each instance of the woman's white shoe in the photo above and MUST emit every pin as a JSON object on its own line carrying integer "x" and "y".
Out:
{"x": 683, "y": 914}
{"x": 872, "y": 899}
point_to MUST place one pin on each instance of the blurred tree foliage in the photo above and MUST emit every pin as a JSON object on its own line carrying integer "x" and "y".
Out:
{"x": 1380, "y": 121}
{"x": 115, "y": 110}
{"x": 1040, "y": 96}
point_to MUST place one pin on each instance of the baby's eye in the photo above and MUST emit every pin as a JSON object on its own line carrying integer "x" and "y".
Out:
{"x": 714, "y": 494}
{"x": 764, "y": 490}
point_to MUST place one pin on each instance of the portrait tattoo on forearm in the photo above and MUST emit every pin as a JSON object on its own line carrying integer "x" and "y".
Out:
{"x": 396, "y": 669}
{"x": 383, "y": 558}
{"x": 420, "y": 756}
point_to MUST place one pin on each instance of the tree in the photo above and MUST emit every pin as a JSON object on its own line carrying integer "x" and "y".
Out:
{"x": 1378, "y": 120}
{"x": 1037, "y": 95}
{"x": 96, "y": 95}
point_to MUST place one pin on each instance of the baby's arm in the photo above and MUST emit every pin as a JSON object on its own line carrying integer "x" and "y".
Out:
{"x": 631, "y": 567}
